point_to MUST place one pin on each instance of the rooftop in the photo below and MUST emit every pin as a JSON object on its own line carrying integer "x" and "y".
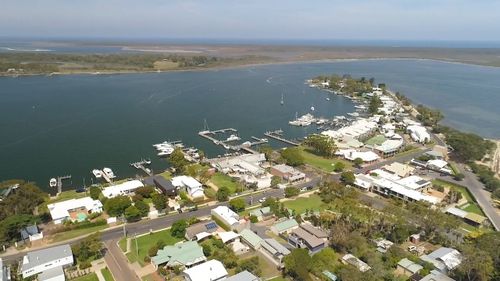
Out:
{"x": 285, "y": 225}
{"x": 40, "y": 257}
{"x": 51, "y": 273}
{"x": 184, "y": 253}
{"x": 227, "y": 214}
{"x": 243, "y": 276}
{"x": 122, "y": 188}
{"x": 207, "y": 271}
{"x": 203, "y": 226}
{"x": 251, "y": 238}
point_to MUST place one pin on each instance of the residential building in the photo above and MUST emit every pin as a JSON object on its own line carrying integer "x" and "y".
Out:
{"x": 54, "y": 274}
{"x": 352, "y": 154}
{"x": 31, "y": 233}
{"x": 185, "y": 254}
{"x": 226, "y": 216}
{"x": 444, "y": 259}
{"x": 212, "y": 270}
{"x": 162, "y": 184}
{"x": 74, "y": 209}
{"x": 354, "y": 261}
{"x": 383, "y": 245}
{"x": 201, "y": 230}
{"x": 251, "y": 239}
{"x": 284, "y": 226}
{"x": 243, "y": 276}
{"x": 399, "y": 169}
{"x": 309, "y": 237}
{"x": 193, "y": 187}
{"x": 288, "y": 173}
{"x": 275, "y": 249}
{"x": 395, "y": 189}
{"x": 408, "y": 268}
{"x": 435, "y": 275}
{"x": 4, "y": 272}
{"x": 389, "y": 147}
{"x": 418, "y": 133}
{"x": 228, "y": 236}
{"x": 125, "y": 188}
{"x": 36, "y": 262}
{"x": 262, "y": 213}
{"x": 415, "y": 183}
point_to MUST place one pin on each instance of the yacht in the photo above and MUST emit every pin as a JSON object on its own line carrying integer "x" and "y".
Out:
{"x": 109, "y": 173}
{"x": 53, "y": 182}
{"x": 304, "y": 120}
{"x": 312, "y": 108}
{"x": 282, "y": 101}
{"x": 97, "y": 173}
{"x": 147, "y": 161}
{"x": 233, "y": 138}
{"x": 327, "y": 98}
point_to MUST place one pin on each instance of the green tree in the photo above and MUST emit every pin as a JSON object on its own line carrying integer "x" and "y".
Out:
{"x": 10, "y": 227}
{"x": 323, "y": 260}
{"x": 291, "y": 191}
{"x": 297, "y": 264}
{"x": 159, "y": 201}
{"x": 358, "y": 162}
{"x": 348, "y": 177}
{"x": 251, "y": 265}
{"x": 145, "y": 191}
{"x": 89, "y": 249}
{"x": 292, "y": 156}
{"x": 321, "y": 144}
{"x": 237, "y": 204}
{"x": 178, "y": 161}
{"x": 116, "y": 206}
{"x": 374, "y": 105}
{"x": 95, "y": 192}
{"x": 476, "y": 265}
{"x": 143, "y": 208}
{"x": 339, "y": 167}
{"x": 178, "y": 228}
{"x": 275, "y": 180}
{"x": 222, "y": 194}
{"x": 132, "y": 213}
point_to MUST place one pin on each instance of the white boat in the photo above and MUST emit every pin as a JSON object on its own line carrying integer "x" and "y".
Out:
{"x": 109, "y": 173}
{"x": 304, "y": 120}
{"x": 282, "y": 101}
{"x": 97, "y": 173}
{"x": 147, "y": 161}
{"x": 312, "y": 108}
{"x": 233, "y": 138}
{"x": 163, "y": 153}
{"x": 353, "y": 114}
{"x": 327, "y": 98}
{"x": 53, "y": 182}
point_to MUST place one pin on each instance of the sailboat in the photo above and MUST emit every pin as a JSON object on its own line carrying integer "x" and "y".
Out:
{"x": 282, "y": 100}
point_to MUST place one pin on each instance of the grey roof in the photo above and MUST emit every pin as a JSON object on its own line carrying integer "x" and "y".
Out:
{"x": 275, "y": 247}
{"x": 204, "y": 226}
{"x": 311, "y": 240}
{"x": 435, "y": 275}
{"x": 51, "y": 273}
{"x": 44, "y": 256}
{"x": 314, "y": 231}
{"x": 243, "y": 276}
{"x": 29, "y": 230}
{"x": 164, "y": 184}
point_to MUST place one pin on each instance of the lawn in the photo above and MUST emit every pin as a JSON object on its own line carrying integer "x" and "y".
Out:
{"x": 67, "y": 195}
{"x": 378, "y": 139}
{"x": 220, "y": 180}
{"x": 167, "y": 175}
{"x": 107, "y": 274}
{"x": 147, "y": 241}
{"x": 322, "y": 163}
{"x": 472, "y": 207}
{"x": 123, "y": 244}
{"x": 313, "y": 202}
{"x": 88, "y": 277}
{"x": 76, "y": 233}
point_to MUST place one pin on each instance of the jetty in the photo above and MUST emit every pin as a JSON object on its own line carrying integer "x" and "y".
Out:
{"x": 59, "y": 182}
{"x": 246, "y": 146}
{"x": 141, "y": 165}
{"x": 278, "y": 135}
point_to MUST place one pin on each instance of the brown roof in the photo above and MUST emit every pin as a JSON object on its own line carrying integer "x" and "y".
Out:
{"x": 310, "y": 239}
{"x": 314, "y": 231}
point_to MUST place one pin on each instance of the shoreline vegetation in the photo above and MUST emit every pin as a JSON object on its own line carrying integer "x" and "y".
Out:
{"x": 198, "y": 57}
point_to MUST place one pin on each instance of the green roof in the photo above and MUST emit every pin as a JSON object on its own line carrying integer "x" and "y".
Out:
{"x": 284, "y": 225}
{"x": 250, "y": 237}
{"x": 185, "y": 253}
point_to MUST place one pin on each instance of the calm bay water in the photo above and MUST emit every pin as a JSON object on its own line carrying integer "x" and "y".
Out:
{"x": 52, "y": 126}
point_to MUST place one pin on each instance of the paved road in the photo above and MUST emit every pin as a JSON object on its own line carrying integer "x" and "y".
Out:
{"x": 117, "y": 262}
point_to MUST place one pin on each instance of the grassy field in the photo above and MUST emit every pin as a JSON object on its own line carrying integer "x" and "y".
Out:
{"x": 313, "y": 202}
{"x": 107, "y": 274}
{"x": 76, "y": 233}
{"x": 220, "y": 180}
{"x": 146, "y": 242}
{"x": 89, "y": 277}
{"x": 66, "y": 195}
{"x": 472, "y": 207}
{"x": 324, "y": 164}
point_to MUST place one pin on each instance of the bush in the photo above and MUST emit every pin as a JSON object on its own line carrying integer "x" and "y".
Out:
{"x": 338, "y": 167}
{"x": 348, "y": 177}
{"x": 291, "y": 191}
{"x": 237, "y": 204}
{"x": 179, "y": 228}
{"x": 292, "y": 156}
{"x": 222, "y": 194}
{"x": 254, "y": 219}
{"x": 84, "y": 265}
{"x": 145, "y": 191}
{"x": 153, "y": 251}
{"x": 142, "y": 207}
{"x": 95, "y": 192}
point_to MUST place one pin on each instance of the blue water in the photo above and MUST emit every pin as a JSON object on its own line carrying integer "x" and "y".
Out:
{"x": 72, "y": 124}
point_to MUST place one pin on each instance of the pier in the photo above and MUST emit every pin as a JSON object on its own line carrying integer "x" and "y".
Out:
{"x": 278, "y": 135}
{"x": 140, "y": 165}
{"x": 59, "y": 182}
{"x": 246, "y": 146}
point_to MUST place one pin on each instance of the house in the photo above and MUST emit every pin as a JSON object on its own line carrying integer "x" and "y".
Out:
{"x": 125, "y": 188}
{"x": 251, "y": 239}
{"x": 212, "y": 270}
{"x": 383, "y": 245}
{"x": 4, "y": 272}
{"x": 201, "y": 230}
{"x": 444, "y": 259}
{"x": 399, "y": 169}
{"x": 415, "y": 183}
{"x": 284, "y": 226}
{"x": 31, "y": 233}
{"x": 435, "y": 275}
{"x": 309, "y": 237}
{"x": 74, "y": 209}
{"x": 262, "y": 213}
{"x": 193, "y": 187}
{"x": 226, "y": 216}
{"x": 288, "y": 173}
{"x": 418, "y": 133}
{"x": 54, "y": 274}
{"x": 162, "y": 184}
{"x": 243, "y": 276}
{"x": 42, "y": 260}
{"x": 408, "y": 268}
{"x": 396, "y": 189}
{"x": 389, "y": 147}
{"x": 354, "y": 261}
{"x": 275, "y": 249}
{"x": 246, "y": 167}
{"x": 352, "y": 154}
{"x": 228, "y": 236}
{"x": 185, "y": 254}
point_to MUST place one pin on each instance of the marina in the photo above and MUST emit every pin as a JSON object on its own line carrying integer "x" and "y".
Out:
{"x": 141, "y": 165}
{"x": 278, "y": 135}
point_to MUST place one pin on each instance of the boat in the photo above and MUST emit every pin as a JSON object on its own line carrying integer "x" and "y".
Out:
{"x": 353, "y": 114}
{"x": 233, "y": 138}
{"x": 109, "y": 173}
{"x": 312, "y": 108}
{"x": 97, "y": 173}
{"x": 327, "y": 98}
{"x": 53, "y": 182}
{"x": 304, "y": 120}
{"x": 163, "y": 153}
{"x": 282, "y": 101}
{"x": 147, "y": 161}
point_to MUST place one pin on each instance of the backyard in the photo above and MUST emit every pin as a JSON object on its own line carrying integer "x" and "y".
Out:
{"x": 147, "y": 241}
{"x": 220, "y": 180}
{"x": 89, "y": 277}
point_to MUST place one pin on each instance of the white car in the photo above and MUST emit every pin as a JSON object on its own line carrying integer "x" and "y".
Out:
{"x": 261, "y": 200}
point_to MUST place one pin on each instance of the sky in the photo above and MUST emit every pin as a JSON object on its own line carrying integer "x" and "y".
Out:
{"x": 463, "y": 20}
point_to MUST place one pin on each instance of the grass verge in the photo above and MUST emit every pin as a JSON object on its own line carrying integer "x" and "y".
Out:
{"x": 76, "y": 233}
{"x": 107, "y": 274}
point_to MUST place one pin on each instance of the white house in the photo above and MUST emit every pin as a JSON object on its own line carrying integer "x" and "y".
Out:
{"x": 54, "y": 274}
{"x": 43, "y": 260}
{"x": 444, "y": 259}
{"x": 226, "y": 216}
{"x": 125, "y": 188}
{"x": 193, "y": 187}
{"x": 74, "y": 209}
{"x": 419, "y": 133}
{"x": 212, "y": 270}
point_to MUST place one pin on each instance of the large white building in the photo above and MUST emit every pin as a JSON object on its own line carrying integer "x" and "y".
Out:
{"x": 357, "y": 130}
{"x": 47, "y": 259}
{"x": 418, "y": 133}
{"x": 352, "y": 154}
{"x": 74, "y": 209}
{"x": 125, "y": 188}
{"x": 193, "y": 187}
{"x": 226, "y": 216}
{"x": 212, "y": 270}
